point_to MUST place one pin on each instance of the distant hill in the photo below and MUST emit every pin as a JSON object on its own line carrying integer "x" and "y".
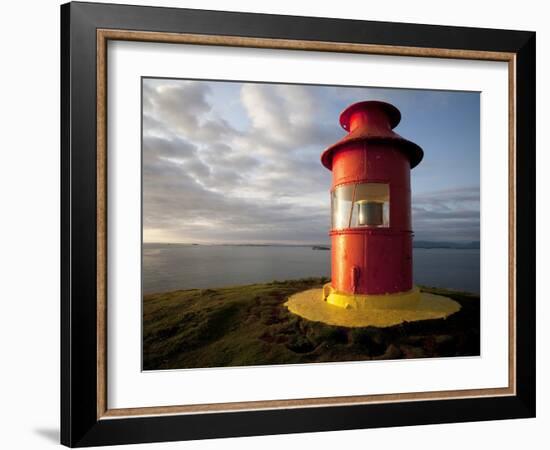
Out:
{"x": 457, "y": 245}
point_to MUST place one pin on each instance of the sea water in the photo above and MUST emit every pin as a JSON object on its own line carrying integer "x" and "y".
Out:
{"x": 167, "y": 267}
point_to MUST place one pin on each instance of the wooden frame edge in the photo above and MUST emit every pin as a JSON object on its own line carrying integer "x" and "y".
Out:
{"x": 303, "y": 403}
{"x": 103, "y": 35}
{"x": 290, "y": 44}
{"x": 512, "y": 195}
{"x": 101, "y": 223}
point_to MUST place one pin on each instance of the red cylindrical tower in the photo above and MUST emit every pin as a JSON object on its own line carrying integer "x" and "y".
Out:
{"x": 371, "y": 230}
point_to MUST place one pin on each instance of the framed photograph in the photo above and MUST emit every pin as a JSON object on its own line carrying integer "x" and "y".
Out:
{"x": 276, "y": 224}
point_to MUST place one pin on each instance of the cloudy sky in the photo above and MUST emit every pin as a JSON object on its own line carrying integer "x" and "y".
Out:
{"x": 233, "y": 162}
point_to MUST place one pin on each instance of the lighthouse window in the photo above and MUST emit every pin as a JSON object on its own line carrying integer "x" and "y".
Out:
{"x": 361, "y": 205}
{"x": 342, "y": 200}
{"x": 371, "y": 205}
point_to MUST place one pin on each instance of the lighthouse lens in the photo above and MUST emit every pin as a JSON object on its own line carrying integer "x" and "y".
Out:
{"x": 371, "y": 205}
{"x": 370, "y": 213}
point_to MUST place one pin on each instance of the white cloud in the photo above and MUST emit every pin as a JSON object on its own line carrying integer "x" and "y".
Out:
{"x": 450, "y": 214}
{"x": 204, "y": 180}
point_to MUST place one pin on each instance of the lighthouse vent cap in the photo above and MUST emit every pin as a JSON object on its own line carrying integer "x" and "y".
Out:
{"x": 391, "y": 112}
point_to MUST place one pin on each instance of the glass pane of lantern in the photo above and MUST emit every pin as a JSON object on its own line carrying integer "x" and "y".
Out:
{"x": 371, "y": 206}
{"x": 341, "y": 202}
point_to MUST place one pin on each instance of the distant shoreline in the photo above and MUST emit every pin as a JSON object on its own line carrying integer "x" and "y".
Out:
{"x": 427, "y": 245}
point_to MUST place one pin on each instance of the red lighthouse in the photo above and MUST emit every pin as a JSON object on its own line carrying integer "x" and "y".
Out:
{"x": 371, "y": 230}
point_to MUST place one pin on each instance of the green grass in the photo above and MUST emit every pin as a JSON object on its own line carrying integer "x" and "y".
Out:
{"x": 249, "y": 325}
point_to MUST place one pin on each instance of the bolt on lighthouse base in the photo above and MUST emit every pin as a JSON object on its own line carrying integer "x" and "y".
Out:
{"x": 348, "y": 310}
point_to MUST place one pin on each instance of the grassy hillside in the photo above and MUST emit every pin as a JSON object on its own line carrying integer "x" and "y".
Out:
{"x": 248, "y": 325}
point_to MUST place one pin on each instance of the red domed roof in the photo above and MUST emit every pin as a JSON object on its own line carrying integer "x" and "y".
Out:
{"x": 372, "y": 121}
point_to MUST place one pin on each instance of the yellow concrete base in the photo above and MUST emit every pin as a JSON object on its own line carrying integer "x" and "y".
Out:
{"x": 369, "y": 310}
{"x": 398, "y": 300}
